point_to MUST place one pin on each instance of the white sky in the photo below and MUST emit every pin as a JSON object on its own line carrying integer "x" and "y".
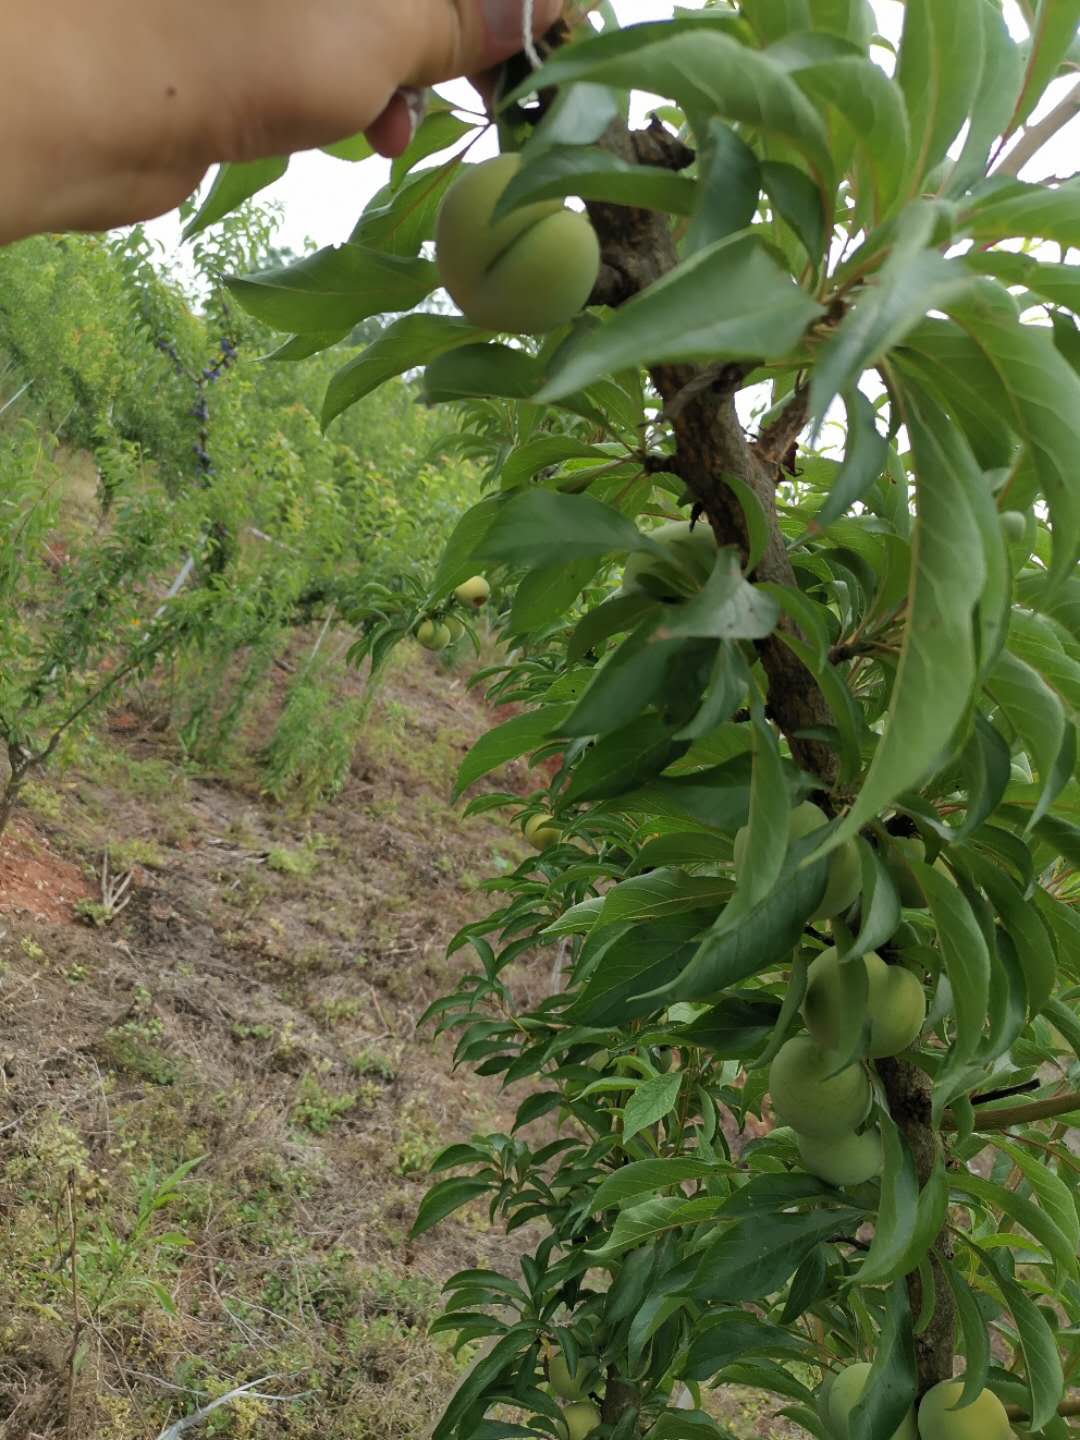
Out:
{"x": 321, "y": 198}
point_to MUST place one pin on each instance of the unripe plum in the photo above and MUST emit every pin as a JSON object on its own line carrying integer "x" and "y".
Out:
{"x": 529, "y": 272}
{"x": 895, "y": 1003}
{"x": 693, "y": 550}
{"x": 844, "y": 876}
{"x": 1013, "y": 525}
{"x": 433, "y": 635}
{"x": 904, "y": 850}
{"x": 984, "y": 1419}
{"x": 844, "y": 1394}
{"x": 811, "y": 1095}
{"x": 473, "y": 592}
{"x": 541, "y": 831}
{"x": 569, "y": 1386}
{"x": 580, "y": 1419}
{"x": 848, "y": 1160}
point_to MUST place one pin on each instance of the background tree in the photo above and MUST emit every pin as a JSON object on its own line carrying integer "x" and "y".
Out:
{"x": 812, "y": 227}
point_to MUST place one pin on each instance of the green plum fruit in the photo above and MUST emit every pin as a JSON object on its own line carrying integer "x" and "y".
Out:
{"x": 541, "y": 831}
{"x": 580, "y": 1419}
{"x": 811, "y": 1095}
{"x": 844, "y": 1394}
{"x": 433, "y": 635}
{"x": 529, "y": 272}
{"x": 473, "y": 592}
{"x": 984, "y": 1419}
{"x": 895, "y": 1003}
{"x": 844, "y": 876}
{"x": 903, "y": 851}
{"x": 563, "y": 1383}
{"x": 693, "y": 554}
{"x": 1013, "y": 525}
{"x": 848, "y": 1160}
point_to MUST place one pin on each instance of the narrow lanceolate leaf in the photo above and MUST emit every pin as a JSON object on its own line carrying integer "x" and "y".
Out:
{"x": 897, "y": 1213}
{"x": 444, "y": 1198}
{"x": 594, "y": 174}
{"x": 939, "y": 68}
{"x": 936, "y": 675}
{"x": 864, "y": 459}
{"x": 1002, "y": 76}
{"x": 650, "y": 1102}
{"x": 729, "y": 183}
{"x": 407, "y": 344}
{"x": 758, "y": 1255}
{"x": 1053, "y": 1195}
{"x": 890, "y": 1387}
{"x": 966, "y": 957}
{"x": 703, "y": 69}
{"x": 1038, "y": 1343}
{"x": 914, "y": 279}
{"x": 484, "y": 1374}
{"x": 721, "y": 1339}
{"x": 233, "y": 184}
{"x": 727, "y": 607}
{"x": 640, "y": 1223}
{"x": 755, "y": 310}
{"x": 767, "y": 831}
{"x": 338, "y": 286}
{"x": 1028, "y": 210}
{"x": 1052, "y": 36}
{"x": 975, "y": 1333}
{"x": 1043, "y": 393}
{"x": 538, "y": 528}
{"x": 1038, "y": 717}
{"x": 1037, "y": 1222}
{"x": 507, "y": 741}
{"x": 647, "y": 1177}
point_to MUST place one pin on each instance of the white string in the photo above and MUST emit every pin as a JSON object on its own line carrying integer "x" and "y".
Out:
{"x": 529, "y": 46}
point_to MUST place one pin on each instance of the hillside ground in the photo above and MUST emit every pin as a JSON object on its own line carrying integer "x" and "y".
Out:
{"x": 218, "y": 1100}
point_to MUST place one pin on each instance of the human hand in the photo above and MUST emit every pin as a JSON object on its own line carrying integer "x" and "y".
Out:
{"x": 112, "y": 112}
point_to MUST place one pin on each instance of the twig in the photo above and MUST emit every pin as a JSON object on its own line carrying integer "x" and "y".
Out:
{"x": 190, "y": 1422}
{"x": 988, "y": 1095}
{"x": 76, "y": 1332}
{"x": 1067, "y": 1407}
{"x": 1036, "y": 136}
{"x": 1022, "y": 1114}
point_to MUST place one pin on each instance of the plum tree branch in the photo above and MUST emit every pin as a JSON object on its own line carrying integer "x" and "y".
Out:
{"x": 638, "y": 248}
{"x": 1005, "y": 1119}
{"x": 1036, "y": 136}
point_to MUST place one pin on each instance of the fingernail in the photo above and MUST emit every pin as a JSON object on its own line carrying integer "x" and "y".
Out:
{"x": 505, "y": 20}
{"x": 416, "y": 104}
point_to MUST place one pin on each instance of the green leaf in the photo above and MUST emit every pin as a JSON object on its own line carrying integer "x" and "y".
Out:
{"x": 233, "y": 184}
{"x": 767, "y": 829}
{"x": 341, "y": 285}
{"x": 1054, "y": 1196}
{"x": 487, "y": 1370}
{"x": 764, "y": 937}
{"x": 890, "y": 1388}
{"x": 976, "y": 1333}
{"x": 544, "y": 452}
{"x": 795, "y": 198}
{"x": 662, "y": 893}
{"x": 1046, "y": 1381}
{"x": 407, "y": 344}
{"x": 1043, "y": 394}
{"x": 703, "y": 70}
{"x": 756, "y": 1256}
{"x": 398, "y": 221}
{"x": 472, "y": 371}
{"x": 1034, "y": 211}
{"x": 632, "y": 678}
{"x": 648, "y": 1177}
{"x": 736, "y": 1028}
{"x": 353, "y": 149}
{"x": 729, "y": 183}
{"x": 594, "y": 174}
{"x": 727, "y": 607}
{"x": 865, "y": 454}
{"x": 879, "y": 904}
{"x": 507, "y": 741}
{"x": 536, "y": 528}
{"x": 546, "y": 594}
{"x": 647, "y": 957}
{"x": 939, "y": 69}
{"x": 936, "y": 673}
{"x": 444, "y": 1198}
{"x": 437, "y": 131}
{"x": 897, "y": 1213}
{"x": 914, "y": 279}
{"x": 650, "y": 1103}
{"x": 720, "y": 1339}
{"x": 639, "y": 1224}
{"x": 1036, "y": 1222}
{"x": 457, "y": 562}
{"x": 1052, "y": 36}
{"x": 965, "y": 954}
{"x": 1000, "y": 84}
{"x": 755, "y": 310}
{"x": 1038, "y": 717}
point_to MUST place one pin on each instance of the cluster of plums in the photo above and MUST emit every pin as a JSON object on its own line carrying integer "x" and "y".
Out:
{"x": 580, "y": 1415}
{"x": 437, "y": 634}
{"x": 984, "y": 1419}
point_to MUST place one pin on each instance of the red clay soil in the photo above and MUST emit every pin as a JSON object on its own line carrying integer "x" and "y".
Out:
{"x": 35, "y": 882}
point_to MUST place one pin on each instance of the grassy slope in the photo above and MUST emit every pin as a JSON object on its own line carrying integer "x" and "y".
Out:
{"x": 254, "y": 1005}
